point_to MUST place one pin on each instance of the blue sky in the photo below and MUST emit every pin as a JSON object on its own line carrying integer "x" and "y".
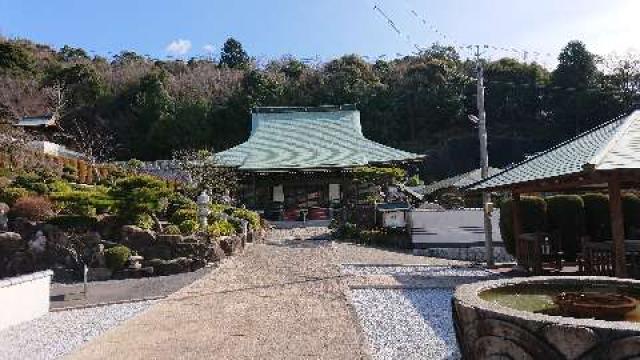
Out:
{"x": 324, "y": 28}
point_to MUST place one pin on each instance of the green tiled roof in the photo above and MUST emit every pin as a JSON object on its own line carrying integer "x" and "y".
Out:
{"x": 614, "y": 144}
{"x": 285, "y": 138}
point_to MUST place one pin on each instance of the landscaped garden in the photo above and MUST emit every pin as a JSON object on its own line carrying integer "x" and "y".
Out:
{"x": 123, "y": 224}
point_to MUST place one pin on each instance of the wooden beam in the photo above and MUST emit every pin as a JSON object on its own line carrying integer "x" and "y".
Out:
{"x": 617, "y": 226}
{"x": 517, "y": 227}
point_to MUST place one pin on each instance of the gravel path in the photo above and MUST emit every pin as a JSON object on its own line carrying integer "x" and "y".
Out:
{"x": 407, "y": 324}
{"x": 417, "y": 270}
{"x": 58, "y": 333}
{"x": 285, "y": 299}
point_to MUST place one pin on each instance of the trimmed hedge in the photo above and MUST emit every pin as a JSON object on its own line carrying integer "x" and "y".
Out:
{"x": 565, "y": 215}
{"x": 631, "y": 211}
{"x": 533, "y": 218}
{"x": 597, "y": 216}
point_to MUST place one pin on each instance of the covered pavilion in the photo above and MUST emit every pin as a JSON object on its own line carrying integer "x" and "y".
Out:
{"x": 605, "y": 157}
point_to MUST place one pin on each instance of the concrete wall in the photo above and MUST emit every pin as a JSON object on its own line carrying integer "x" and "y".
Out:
{"x": 24, "y": 298}
{"x": 451, "y": 228}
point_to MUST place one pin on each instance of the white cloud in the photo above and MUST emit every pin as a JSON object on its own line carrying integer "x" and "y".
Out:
{"x": 210, "y": 48}
{"x": 179, "y": 47}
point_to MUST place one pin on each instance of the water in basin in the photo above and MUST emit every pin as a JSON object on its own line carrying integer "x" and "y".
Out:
{"x": 539, "y": 298}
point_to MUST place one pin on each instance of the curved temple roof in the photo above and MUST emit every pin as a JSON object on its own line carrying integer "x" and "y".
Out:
{"x": 612, "y": 145}
{"x": 292, "y": 138}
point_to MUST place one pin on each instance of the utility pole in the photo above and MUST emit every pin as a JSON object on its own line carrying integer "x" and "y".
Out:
{"x": 487, "y": 207}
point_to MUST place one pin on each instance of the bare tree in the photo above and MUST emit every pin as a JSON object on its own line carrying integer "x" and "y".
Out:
{"x": 206, "y": 172}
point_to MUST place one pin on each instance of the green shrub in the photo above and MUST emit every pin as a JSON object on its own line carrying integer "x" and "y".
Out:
{"x": 221, "y": 228}
{"x": 532, "y": 218}
{"x": 182, "y": 215}
{"x": 74, "y": 222}
{"x": 217, "y": 209}
{"x": 597, "y": 216}
{"x": 565, "y": 214}
{"x": 188, "y": 227}
{"x": 172, "y": 230}
{"x": 251, "y": 216}
{"x": 10, "y": 195}
{"x": 631, "y": 211}
{"x": 69, "y": 173}
{"x": 348, "y": 231}
{"x": 139, "y": 195}
{"x": 143, "y": 221}
{"x": 117, "y": 257}
{"x": 60, "y": 186}
{"x": 177, "y": 201}
{"x": 27, "y": 181}
{"x": 33, "y": 208}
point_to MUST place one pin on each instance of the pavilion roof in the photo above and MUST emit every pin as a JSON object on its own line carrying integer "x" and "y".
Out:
{"x": 611, "y": 146}
{"x": 308, "y": 138}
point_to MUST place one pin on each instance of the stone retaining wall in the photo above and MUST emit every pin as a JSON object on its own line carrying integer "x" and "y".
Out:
{"x": 24, "y": 298}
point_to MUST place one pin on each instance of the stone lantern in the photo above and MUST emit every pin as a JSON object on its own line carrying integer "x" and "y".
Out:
{"x": 203, "y": 202}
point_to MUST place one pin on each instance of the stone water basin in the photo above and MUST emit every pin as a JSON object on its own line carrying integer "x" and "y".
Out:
{"x": 522, "y": 318}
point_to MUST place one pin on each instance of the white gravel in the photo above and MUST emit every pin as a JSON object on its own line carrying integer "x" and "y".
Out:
{"x": 58, "y": 333}
{"x": 408, "y": 323}
{"x": 418, "y": 270}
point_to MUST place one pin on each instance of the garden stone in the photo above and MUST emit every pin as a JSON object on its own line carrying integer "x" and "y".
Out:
{"x": 159, "y": 250}
{"x": 133, "y": 273}
{"x": 11, "y": 242}
{"x": 137, "y": 238}
{"x": 24, "y": 227}
{"x": 4, "y": 219}
{"x": 99, "y": 274}
{"x": 39, "y": 243}
{"x": 20, "y": 263}
{"x": 170, "y": 239}
{"x": 170, "y": 267}
{"x": 97, "y": 258}
{"x": 55, "y": 236}
{"x": 231, "y": 245}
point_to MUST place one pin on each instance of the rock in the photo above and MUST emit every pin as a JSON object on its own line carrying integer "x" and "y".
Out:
{"x": 11, "y": 242}
{"x": 4, "y": 219}
{"x": 99, "y": 274}
{"x": 38, "y": 244}
{"x": 232, "y": 245}
{"x": 91, "y": 240}
{"x": 572, "y": 341}
{"x": 109, "y": 227}
{"x": 24, "y": 227}
{"x": 20, "y": 263}
{"x": 136, "y": 238}
{"x": 159, "y": 251}
{"x": 170, "y": 267}
{"x": 133, "y": 273}
{"x": 97, "y": 258}
{"x": 170, "y": 239}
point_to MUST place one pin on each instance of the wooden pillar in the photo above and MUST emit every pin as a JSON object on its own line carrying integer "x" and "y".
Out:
{"x": 517, "y": 227}
{"x": 617, "y": 226}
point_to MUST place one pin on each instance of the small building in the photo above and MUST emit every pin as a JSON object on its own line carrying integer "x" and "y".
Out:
{"x": 298, "y": 159}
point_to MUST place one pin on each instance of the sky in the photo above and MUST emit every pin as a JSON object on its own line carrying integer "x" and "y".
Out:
{"x": 325, "y": 29}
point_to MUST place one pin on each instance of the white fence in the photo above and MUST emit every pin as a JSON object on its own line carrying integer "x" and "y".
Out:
{"x": 24, "y": 298}
{"x": 457, "y": 234}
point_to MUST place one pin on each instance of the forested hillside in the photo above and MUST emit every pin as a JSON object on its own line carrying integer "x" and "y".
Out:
{"x": 151, "y": 108}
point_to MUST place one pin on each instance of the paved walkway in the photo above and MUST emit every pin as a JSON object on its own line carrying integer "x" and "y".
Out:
{"x": 280, "y": 300}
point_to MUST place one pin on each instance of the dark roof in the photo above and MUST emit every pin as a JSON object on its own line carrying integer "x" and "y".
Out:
{"x": 612, "y": 145}
{"x": 294, "y": 139}
{"x": 393, "y": 206}
{"x": 458, "y": 181}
